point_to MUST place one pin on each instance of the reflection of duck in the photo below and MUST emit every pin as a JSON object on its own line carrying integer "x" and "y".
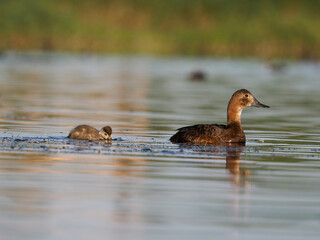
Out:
{"x": 233, "y": 157}
{"x": 86, "y": 132}
{"x": 232, "y": 152}
{"x": 197, "y": 75}
{"x": 217, "y": 133}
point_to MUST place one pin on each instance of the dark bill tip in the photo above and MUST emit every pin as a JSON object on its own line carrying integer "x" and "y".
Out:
{"x": 256, "y": 103}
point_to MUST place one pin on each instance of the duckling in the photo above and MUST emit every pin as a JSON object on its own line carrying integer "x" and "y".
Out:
{"x": 86, "y": 132}
{"x": 218, "y": 133}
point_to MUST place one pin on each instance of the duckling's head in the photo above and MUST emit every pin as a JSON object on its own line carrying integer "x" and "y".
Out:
{"x": 106, "y": 132}
{"x": 243, "y": 98}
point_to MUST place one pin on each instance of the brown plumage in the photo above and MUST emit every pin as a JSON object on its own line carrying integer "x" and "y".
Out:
{"x": 217, "y": 133}
{"x": 86, "y": 132}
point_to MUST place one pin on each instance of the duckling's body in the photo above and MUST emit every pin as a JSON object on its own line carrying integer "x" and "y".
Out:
{"x": 218, "y": 133}
{"x": 86, "y": 132}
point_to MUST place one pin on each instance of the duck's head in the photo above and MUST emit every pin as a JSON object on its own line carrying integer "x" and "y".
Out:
{"x": 243, "y": 98}
{"x": 106, "y": 132}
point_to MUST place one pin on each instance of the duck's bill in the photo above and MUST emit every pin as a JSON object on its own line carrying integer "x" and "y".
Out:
{"x": 256, "y": 103}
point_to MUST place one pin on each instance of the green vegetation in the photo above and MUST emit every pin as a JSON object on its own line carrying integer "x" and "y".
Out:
{"x": 265, "y": 28}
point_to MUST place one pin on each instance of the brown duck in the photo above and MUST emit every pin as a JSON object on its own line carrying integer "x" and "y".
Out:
{"x": 218, "y": 133}
{"x": 86, "y": 132}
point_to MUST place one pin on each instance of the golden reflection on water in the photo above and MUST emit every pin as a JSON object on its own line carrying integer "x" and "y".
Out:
{"x": 29, "y": 162}
{"x": 131, "y": 91}
{"x": 70, "y": 96}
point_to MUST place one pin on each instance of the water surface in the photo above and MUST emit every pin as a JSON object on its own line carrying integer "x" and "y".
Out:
{"x": 141, "y": 186}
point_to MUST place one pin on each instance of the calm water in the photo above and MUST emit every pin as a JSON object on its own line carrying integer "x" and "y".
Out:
{"x": 141, "y": 186}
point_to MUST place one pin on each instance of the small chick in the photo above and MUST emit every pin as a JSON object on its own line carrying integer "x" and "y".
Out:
{"x": 86, "y": 132}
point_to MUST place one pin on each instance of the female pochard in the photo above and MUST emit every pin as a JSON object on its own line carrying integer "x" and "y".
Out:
{"x": 218, "y": 133}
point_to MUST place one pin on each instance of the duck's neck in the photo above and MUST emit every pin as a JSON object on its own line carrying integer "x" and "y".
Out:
{"x": 234, "y": 115}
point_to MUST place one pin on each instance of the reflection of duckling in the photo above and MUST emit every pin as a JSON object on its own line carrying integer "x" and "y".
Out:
{"x": 85, "y": 132}
{"x": 197, "y": 76}
{"x": 218, "y": 133}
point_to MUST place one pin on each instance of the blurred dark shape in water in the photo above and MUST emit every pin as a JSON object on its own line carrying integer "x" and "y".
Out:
{"x": 198, "y": 76}
{"x": 277, "y": 66}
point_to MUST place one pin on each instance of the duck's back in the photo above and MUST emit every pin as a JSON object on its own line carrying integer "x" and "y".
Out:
{"x": 200, "y": 133}
{"x": 84, "y": 132}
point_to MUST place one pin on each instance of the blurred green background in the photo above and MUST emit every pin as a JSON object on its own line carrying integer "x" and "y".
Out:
{"x": 265, "y": 28}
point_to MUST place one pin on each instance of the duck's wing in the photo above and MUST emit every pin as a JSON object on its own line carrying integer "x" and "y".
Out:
{"x": 198, "y": 133}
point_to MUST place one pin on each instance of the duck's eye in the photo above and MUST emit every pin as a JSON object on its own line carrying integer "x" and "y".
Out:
{"x": 246, "y": 95}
